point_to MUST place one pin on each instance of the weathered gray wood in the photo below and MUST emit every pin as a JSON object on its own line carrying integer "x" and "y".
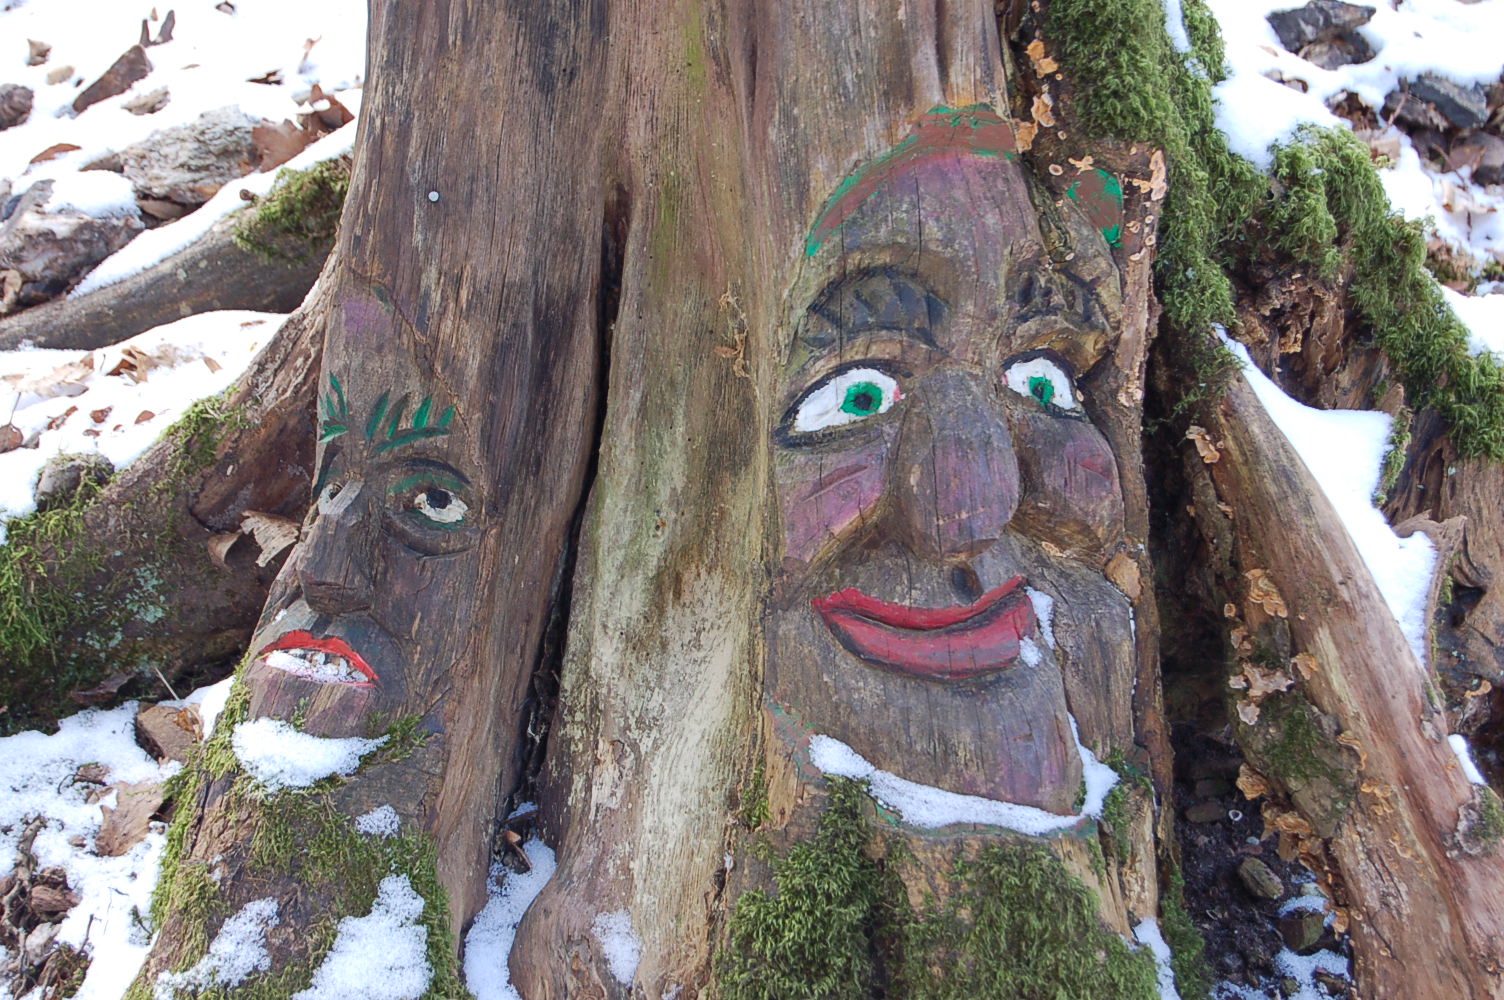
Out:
{"x": 210, "y": 273}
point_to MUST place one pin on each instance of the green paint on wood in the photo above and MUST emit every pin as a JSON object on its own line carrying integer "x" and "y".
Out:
{"x": 1101, "y": 194}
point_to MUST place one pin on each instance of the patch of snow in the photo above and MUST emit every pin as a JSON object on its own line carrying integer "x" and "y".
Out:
{"x": 211, "y": 703}
{"x": 1175, "y": 26}
{"x": 379, "y": 822}
{"x": 929, "y": 808}
{"x": 1302, "y": 904}
{"x": 488, "y": 945}
{"x": 621, "y": 944}
{"x": 95, "y": 193}
{"x": 1147, "y": 933}
{"x": 194, "y": 358}
{"x": 278, "y": 756}
{"x": 381, "y": 956}
{"x": 1483, "y": 315}
{"x": 1344, "y": 451}
{"x": 1465, "y": 758}
{"x": 1028, "y": 651}
{"x": 37, "y": 780}
{"x": 164, "y": 241}
{"x": 1044, "y": 613}
{"x": 237, "y": 951}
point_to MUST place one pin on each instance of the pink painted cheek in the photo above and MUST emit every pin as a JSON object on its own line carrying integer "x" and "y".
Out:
{"x": 821, "y": 497}
{"x": 1085, "y": 468}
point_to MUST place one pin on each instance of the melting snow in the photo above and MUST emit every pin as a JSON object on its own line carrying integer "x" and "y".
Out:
{"x": 379, "y": 822}
{"x": 381, "y": 956}
{"x": 929, "y": 808}
{"x": 1148, "y": 935}
{"x": 489, "y": 943}
{"x": 237, "y": 951}
{"x": 278, "y": 756}
{"x": 621, "y": 944}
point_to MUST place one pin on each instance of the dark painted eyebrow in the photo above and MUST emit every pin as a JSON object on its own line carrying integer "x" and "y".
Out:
{"x": 870, "y": 302}
{"x": 444, "y": 467}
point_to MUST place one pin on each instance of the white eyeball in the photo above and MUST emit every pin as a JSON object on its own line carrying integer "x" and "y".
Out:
{"x": 852, "y": 395}
{"x": 1043, "y": 381}
{"x": 440, "y": 506}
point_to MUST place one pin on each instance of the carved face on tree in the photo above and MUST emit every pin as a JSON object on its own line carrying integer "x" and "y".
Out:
{"x": 947, "y": 503}
{"x": 387, "y": 550}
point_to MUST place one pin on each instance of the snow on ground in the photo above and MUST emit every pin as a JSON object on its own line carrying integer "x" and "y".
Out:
{"x": 1455, "y": 40}
{"x": 929, "y": 808}
{"x": 276, "y": 754}
{"x": 488, "y": 944}
{"x": 209, "y": 64}
{"x": 1344, "y": 451}
{"x": 39, "y": 780}
{"x": 116, "y": 401}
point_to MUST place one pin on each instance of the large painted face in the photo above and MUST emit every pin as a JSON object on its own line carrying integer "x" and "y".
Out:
{"x": 389, "y": 553}
{"x": 947, "y": 503}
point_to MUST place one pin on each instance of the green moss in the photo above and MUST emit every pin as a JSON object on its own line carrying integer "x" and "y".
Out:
{"x": 1394, "y": 455}
{"x": 1291, "y": 742}
{"x": 814, "y": 937}
{"x": 754, "y": 799}
{"x": 1489, "y": 829}
{"x": 299, "y": 215}
{"x": 1018, "y": 924}
{"x": 1133, "y": 86}
{"x": 1015, "y": 924}
{"x": 1193, "y": 976}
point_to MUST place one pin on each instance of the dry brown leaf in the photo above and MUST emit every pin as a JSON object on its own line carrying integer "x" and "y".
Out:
{"x": 127, "y": 824}
{"x": 64, "y": 380}
{"x": 1306, "y": 664}
{"x": 101, "y": 692}
{"x": 220, "y": 546}
{"x": 144, "y": 416}
{"x": 272, "y": 533}
{"x": 212, "y": 365}
{"x": 1204, "y": 446}
{"x": 101, "y": 415}
{"x": 277, "y": 143}
{"x": 1261, "y": 591}
{"x": 11, "y": 438}
{"x": 1251, "y": 783}
{"x": 1123, "y": 572}
{"x": 1044, "y": 110}
{"x": 1350, "y": 741}
{"x": 54, "y": 151}
{"x": 1159, "y": 176}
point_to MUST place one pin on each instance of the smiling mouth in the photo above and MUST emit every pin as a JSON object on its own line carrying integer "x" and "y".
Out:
{"x": 326, "y": 660}
{"x": 948, "y": 644}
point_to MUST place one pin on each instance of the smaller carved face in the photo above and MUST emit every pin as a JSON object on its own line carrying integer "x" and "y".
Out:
{"x": 361, "y": 618}
{"x": 947, "y": 502}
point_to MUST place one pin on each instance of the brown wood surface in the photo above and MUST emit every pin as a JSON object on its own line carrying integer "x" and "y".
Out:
{"x": 1426, "y": 921}
{"x": 210, "y": 273}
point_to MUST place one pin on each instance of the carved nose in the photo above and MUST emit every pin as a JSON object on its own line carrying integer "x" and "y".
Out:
{"x": 956, "y": 477}
{"x": 330, "y": 570}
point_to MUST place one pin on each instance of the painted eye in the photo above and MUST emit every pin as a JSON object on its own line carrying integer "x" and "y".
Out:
{"x": 844, "y": 398}
{"x": 1044, "y": 381}
{"x": 431, "y": 501}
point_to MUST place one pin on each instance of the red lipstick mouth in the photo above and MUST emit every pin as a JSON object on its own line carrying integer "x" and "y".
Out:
{"x": 327, "y": 660}
{"x": 948, "y": 644}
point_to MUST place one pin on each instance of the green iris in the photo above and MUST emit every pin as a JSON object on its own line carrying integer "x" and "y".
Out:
{"x": 1042, "y": 389}
{"x": 862, "y": 399}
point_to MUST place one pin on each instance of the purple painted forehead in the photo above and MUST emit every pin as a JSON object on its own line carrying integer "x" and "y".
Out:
{"x": 975, "y": 131}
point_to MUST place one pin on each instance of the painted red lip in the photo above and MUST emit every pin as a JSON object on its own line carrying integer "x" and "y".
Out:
{"x": 305, "y": 640}
{"x": 938, "y": 643}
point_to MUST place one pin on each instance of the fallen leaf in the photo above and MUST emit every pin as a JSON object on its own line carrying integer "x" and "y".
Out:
{"x": 1123, "y": 572}
{"x": 212, "y": 365}
{"x": 64, "y": 380}
{"x": 1203, "y": 442}
{"x": 1261, "y": 591}
{"x": 127, "y": 824}
{"x": 99, "y": 416}
{"x": 272, "y": 533}
{"x": 1044, "y": 110}
{"x": 144, "y": 416}
{"x": 53, "y": 423}
{"x": 1350, "y": 741}
{"x": 277, "y": 143}
{"x": 220, "y": 546}
{"x": 11, "y": 438}
{"x": 101, "y": 692}
{"x": 54, "y": 151}
{"x": 1251, "y": 783}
